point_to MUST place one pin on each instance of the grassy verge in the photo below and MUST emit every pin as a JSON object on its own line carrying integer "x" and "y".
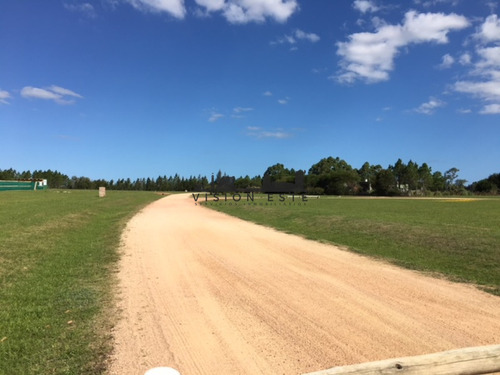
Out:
{"x": 57, "y": 254}
{"x": 456, "y": 238}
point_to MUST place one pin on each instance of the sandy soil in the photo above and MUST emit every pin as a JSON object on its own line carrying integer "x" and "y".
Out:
{"x": 207, "y": 293}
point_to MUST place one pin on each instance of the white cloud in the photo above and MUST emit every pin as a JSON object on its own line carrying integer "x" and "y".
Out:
{"x": 311, "y": 37}
{"x": 370, "y": 56}
{"x": 55, "y": 93}
{"x": 492, "y": 5}
{"x": 267, "y": 93}
{"x": 297, "y": 35}
{"x": 277, "y": 134}
{"x": 62, "y": 91}
{"x": 283, "y": 101}
{"x": 465, "y": 59}
{"x": 490, "y": 29}
{"x": 485, "y": 71}
{"x": 4, "y": 95}
{"x": 432, "y": 27}
{"x": 430, "y": 107}
{"x": 215, "y": 116}
{"x": 464, "y": 111}
{"x": 447, "y": 62}
{"x": 491, "y": 109}
{"x": 244, "y": 11}
{"x": 34, "y": 92}
{"x": 211, "y": 5}
{"x": 429, "y": 3}
{"x": 174, "y": 7}
{"x": 242, "y": 109}
{"x": 488, "y": 90}
{"x": 257, "y": 132}
{"x": 86, "y": 9}
{"x": 365, "y": 6}
{"x": 491, "y": 57}
{"x": 110, "y": 4}
{"x": 360, "y": 22}
{"x": 284, "y": 39}
{"x": 378, "y": 22}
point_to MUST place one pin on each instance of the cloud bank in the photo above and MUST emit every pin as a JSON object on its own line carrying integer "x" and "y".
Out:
{"x": 485, "y": 71}
{"x": 234, "y": 11}
{"x": 369, "y": 56}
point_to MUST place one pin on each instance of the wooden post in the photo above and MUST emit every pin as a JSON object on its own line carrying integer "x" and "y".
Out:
{"x": 466, "y": 361}
{"x": 102, "y": 192}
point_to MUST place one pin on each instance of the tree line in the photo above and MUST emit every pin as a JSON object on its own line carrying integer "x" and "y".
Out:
{"x": 59, "y": 180}
{"x": 332, "y": 176}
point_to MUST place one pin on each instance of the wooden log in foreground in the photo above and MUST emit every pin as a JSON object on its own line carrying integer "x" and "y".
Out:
{"x": 466, "y": 361}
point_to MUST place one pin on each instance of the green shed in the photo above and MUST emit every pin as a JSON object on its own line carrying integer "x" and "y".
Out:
{"x": 31, "y": 184}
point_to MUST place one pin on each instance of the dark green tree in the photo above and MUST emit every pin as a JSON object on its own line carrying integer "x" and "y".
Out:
{"x": 333, "y": 176}
{"x": 410, "y": 176}
{"x": 484, "y": 186}
{"x": 424, "y": 178}
{"x": 278, "y": 173}
{"x": 367, "y": 177}
{"x": 243, "y": 182}
{"x": 398, "y": 171}
{"x": 8, "y": 174}
{"x": 330, "y": 164}
{"x": 495, "y": 179}
{"x": 438, "y": 182}
{"x": 450, "y": 176}
{"x": 385, "y": 183}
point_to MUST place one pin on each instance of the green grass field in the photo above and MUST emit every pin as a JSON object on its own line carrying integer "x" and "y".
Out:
{"x": 459, "y": 238}
{"x": 58, "y": 255}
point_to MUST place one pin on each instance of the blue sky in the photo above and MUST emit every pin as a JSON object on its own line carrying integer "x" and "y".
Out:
{"x": 140, "y": 88}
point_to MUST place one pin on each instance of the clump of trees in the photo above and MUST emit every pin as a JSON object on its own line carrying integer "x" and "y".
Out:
{"x": 490, "y": 185}
{"x": 332, "y": 176}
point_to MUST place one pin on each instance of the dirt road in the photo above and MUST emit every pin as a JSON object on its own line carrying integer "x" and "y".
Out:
{"x": 206, "y": 293}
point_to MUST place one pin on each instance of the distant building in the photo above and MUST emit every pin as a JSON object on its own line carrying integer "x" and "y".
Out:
{"x": 29, "y": 184}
